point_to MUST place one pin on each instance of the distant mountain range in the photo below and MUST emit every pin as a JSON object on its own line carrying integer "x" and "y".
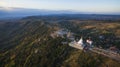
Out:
{"x": 22, "y": 12}
{"x": 10, "y": 13}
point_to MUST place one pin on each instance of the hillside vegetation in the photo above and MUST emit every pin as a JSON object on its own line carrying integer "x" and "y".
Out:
{"x": 27, "y": 43}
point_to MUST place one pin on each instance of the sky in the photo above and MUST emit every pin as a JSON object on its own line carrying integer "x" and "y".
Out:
{"x": 96, "y": 6}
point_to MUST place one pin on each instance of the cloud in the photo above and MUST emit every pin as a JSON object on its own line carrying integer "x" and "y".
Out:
{"x": 3, "y": 4}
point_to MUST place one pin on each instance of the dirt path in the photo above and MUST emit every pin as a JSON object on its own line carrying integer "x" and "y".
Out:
{"x": 107, "y": 53}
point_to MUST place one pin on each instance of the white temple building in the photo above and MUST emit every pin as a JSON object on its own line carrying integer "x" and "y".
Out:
{"x": 78, "y": 45}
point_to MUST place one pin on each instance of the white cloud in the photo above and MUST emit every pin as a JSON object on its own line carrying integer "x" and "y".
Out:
{"x": 5, "y": 6}
{"x": 2, "y": 4}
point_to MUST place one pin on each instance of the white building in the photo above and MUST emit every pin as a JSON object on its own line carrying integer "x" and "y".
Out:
{"x": 90, "y": 42}
{"x": 78, "y": 45}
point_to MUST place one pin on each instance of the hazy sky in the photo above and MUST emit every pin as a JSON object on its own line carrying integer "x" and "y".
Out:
{"x": 105, "y": 6}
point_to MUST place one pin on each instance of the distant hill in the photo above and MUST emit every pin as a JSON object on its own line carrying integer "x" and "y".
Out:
{"x": 8, "y": 13}
{"x": 23, "y": 12}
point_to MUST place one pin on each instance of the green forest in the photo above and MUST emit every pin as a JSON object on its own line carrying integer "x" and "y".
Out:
{"x": 27, "y": 42}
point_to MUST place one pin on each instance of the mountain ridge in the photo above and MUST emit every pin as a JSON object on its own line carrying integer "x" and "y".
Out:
{"x": 10, "y": 12}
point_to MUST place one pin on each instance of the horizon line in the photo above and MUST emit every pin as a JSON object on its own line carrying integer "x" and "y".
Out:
{"x": 71, "y": 10}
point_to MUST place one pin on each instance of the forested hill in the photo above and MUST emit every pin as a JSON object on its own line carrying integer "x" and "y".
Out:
{"x": 27, "y": 43}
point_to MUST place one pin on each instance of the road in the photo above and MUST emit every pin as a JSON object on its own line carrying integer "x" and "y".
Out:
{"x": 108, "y": 53}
